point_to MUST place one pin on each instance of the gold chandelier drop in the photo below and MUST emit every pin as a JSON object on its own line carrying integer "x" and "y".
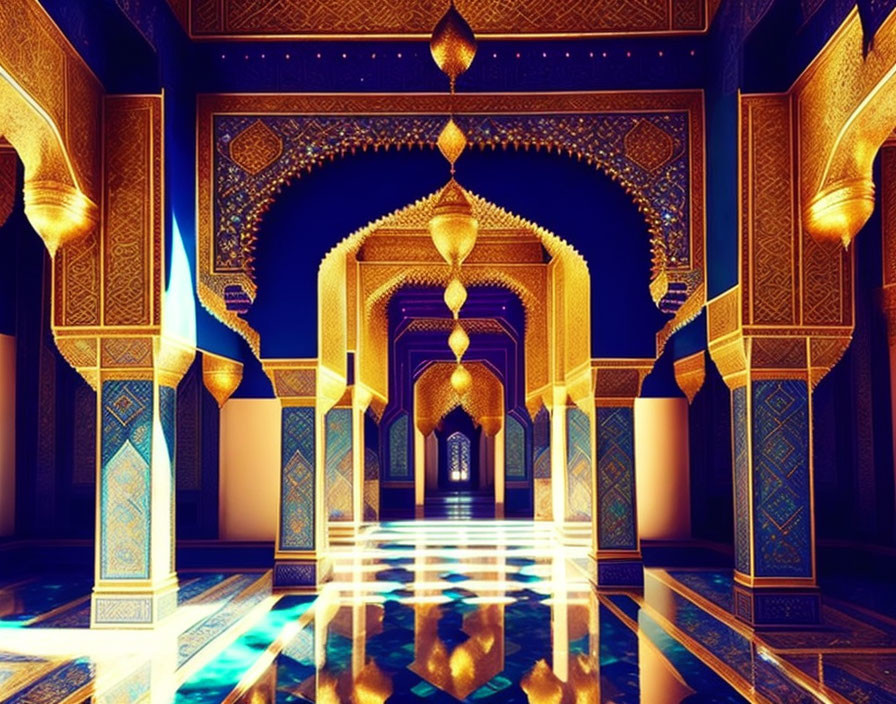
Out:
{"x": 452, "y": 226}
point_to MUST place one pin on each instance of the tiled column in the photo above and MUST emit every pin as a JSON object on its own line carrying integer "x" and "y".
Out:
{"x": 136, "y": 584}
{"x": 771, "y": 380}
{"x": 300, "y": 560}
{"x": 541, "y": 465}
{"x": 617, "y": 549}
{"x": 773, "y": 335}
{"x": 339, "y": 425}
{"x": 773, "y": 502}
{"x": 579, "y": 454}
{"x": 558, "y": 456}
{"x": 372, "y": 465}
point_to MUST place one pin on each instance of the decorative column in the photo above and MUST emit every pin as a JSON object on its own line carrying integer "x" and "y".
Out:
{"x": 541, "y": 465}
{"x": 136, "y": 584}
{"x": 299, "y": 554}
{"x": 108, "y": 300}
{"x": 372, "y": 465}
{"x": 773, "y": 337}
{"x": 617, "y": 548}
{"x": 774, "y": 522}
{"x": 340, "y": 427}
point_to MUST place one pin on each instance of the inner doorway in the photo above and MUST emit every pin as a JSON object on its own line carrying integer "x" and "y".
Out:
{"x": 459, "y": 483}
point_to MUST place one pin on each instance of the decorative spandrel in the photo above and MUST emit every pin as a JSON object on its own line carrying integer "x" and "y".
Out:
{"x": 648, "y": 153}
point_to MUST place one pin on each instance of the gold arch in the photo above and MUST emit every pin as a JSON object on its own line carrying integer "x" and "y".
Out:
{"x": 845, "y": 108}
{"x": 50, "y": 105}
{"x": 373, "y": 263}
{"x": 211, "y": 283}
{"x": 435, "y": 398}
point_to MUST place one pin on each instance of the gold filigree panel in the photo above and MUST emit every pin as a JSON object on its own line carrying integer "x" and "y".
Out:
{"x": 133, "y": 229}
{"x": 617, "y": 382}
{"x": 888, "y": 212}
{"x": 769, "y": 267}
{"x": 239, "y": 19}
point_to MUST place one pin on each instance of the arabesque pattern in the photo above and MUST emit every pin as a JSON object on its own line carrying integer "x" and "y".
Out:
{"x": 616, "y": 515}
{"x": 297, "y": 479}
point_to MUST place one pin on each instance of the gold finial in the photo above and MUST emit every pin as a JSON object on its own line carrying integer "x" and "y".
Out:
{"x": 452, "y": 226}
{"x": 453, "y": 44}
{"x": 455, "y": 296}
{"x": 458, "y": 341}
{"x": 452, "y": 142}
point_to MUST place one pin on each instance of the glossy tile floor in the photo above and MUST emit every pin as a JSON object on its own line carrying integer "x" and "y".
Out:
{"x": 438, "y": 611}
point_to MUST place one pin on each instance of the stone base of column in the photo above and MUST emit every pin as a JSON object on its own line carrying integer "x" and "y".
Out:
{"x": 618, "y": 572}
{"x": 301, "y": 572}
{"x": 777, "y": 607}
{"x": 123, "y": 606}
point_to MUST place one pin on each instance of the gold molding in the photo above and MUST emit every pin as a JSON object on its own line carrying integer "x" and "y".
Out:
{"x": 617, "y": 382}
{"x": 240, "y": 20}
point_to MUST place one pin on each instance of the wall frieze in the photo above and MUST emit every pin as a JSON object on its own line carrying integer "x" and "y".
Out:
{"x": 394, "y": 19}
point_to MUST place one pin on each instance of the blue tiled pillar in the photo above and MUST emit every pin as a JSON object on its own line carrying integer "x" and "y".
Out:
{"x": 541, "y": 465}
{"x": 618, "y": 548}
{"x": 339, "y": 459}
{"x": 136, "y": 584}
{"x": 301, "y": 539}
{"x": 773, "y": 503}
{"x": 579, "y": 485}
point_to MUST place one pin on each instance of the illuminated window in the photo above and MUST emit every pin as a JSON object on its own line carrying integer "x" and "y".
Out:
{"x": 458, "y": 457}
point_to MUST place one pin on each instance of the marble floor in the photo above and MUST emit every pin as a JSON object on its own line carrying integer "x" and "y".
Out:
{"x": 441, "y": 611}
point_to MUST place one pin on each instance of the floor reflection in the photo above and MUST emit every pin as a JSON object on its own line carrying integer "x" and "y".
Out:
{"x": 475, "y": 613}
{"x": 436, "y": 612}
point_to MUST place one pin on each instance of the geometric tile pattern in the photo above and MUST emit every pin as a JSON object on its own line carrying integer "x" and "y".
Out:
{"x": 297, "y": 479}
{"x": 137, "y": 610}
{"x": 514, "y": 449}
{"x": 126, "y": 456}
{"x": 578, "y": 465}
{"x": 371, "y": 468}
{"x": 541, "y": 449}
{"x": 167, "y": 416}
{"x": 741, "y": 480}
{"x": 58, "y": 685}
{"x": 398, "y": 448}
{"x": 781, "y": 482}
{"x": 616, "y": 528}
{"x": 338, "y": 427}
{"x": 541, "y": 465}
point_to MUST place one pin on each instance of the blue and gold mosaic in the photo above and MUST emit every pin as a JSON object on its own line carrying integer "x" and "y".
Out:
{"x": 297, "y": 479}
{"x": 125, "y": 481}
